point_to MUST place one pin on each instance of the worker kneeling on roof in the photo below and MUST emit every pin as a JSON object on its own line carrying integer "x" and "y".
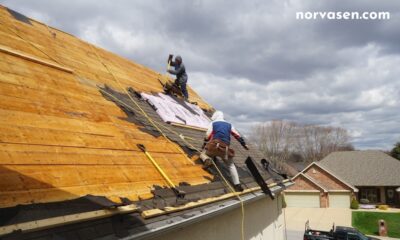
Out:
{"x": 181, "y": 76}
{"x": 216, "y": 144}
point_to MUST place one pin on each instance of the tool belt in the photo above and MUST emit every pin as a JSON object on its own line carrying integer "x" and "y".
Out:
{"x": 217, "y": 148}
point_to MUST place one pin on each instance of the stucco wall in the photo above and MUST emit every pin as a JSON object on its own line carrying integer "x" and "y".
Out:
{"x": 263, "y": 220}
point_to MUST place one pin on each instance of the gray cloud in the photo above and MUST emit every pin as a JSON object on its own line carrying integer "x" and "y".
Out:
{"x": 254, "y": 60}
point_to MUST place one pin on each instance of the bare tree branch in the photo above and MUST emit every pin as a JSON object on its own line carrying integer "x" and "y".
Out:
{"x": 281, "y": 140}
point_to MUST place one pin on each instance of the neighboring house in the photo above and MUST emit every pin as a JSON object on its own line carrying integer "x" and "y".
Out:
{"x": 71, "y": 118}
{"x": 316, "y": 186}
{"x": 374, "y": 173}
{"x": 332, "y": 182}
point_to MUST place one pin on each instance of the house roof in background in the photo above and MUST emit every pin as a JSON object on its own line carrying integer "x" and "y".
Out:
{"x": 364, "y": 168}
{"x": 297, "y": 165}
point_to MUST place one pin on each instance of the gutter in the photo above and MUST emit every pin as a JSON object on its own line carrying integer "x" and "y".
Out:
{"x": 157, "y": 229}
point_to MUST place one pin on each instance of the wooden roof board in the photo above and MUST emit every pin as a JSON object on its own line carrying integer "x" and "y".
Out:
{"x": 80, "y": 56}
{"x": 60, "y": 139}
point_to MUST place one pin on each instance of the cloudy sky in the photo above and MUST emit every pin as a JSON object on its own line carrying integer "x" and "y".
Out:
{"x": 254, "y": 60}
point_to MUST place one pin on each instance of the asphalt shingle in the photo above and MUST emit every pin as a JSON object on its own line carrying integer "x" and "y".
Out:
{"x": 364, "y": 168}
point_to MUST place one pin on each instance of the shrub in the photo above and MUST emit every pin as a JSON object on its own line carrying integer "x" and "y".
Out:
{"x": 364, "y": 201}
{"x": 354, "y": 204}
{"x": 383, "y": 207}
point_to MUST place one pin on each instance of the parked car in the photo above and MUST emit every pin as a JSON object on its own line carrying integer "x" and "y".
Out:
{"x": 336, "y": 233}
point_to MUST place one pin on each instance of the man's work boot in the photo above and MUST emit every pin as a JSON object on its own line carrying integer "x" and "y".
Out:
{"x": 207, "y": 163}
{"x": 238, "y": 188}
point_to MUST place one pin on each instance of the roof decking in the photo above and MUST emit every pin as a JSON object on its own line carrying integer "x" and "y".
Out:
{"x": 60, "y": 138}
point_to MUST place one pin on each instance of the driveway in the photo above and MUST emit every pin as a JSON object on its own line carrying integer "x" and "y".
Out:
{"x": 320, "y": 218}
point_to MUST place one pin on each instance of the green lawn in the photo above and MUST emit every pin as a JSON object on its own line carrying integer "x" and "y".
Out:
{"x": 367, "y": 222}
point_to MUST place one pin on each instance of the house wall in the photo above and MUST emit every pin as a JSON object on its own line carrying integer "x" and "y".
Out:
{"x": 322, "y": 178}
{"x": 382, "y": 192}
{"x": 303, "y": 184}
{"x": 324, "y": 200}
{"x": 263, "y": 220}
{"x": 325, "y": 179}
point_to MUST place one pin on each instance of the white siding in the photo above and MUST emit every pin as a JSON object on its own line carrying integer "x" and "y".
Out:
{"x": 262, "y": 221}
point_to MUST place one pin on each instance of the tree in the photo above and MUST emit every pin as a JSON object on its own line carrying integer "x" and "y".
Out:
{"x": 396, "y": 151}
{"x": 274, "y": 139}
{"x": 316, "y": 142}
{"x": 283, "y": 140}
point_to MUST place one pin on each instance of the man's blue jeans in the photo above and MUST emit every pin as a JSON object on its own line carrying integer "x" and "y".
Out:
{"x": 182, "y": 85}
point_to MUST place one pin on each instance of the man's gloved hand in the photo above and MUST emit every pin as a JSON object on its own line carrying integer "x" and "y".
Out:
{"x": 204, "y": 143}
{"x": 243, "y": 143}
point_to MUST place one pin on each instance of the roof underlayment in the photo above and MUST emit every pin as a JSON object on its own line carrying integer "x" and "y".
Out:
{"x": 71, "y": 119}
{"x": 173, "y": 110}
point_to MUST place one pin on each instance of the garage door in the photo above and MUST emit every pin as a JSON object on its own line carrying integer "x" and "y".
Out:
{"x": 310, "y": 200}
{"x": 339, "y": 200}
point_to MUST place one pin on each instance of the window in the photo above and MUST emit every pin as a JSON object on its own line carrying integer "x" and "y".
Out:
{"x": 362, "y": 236}
{"x": 340, "y": 236}
{"x": 390, "y": 193}
{"x": 351, "y": 236}
{"x": 372, "y": 194}
{"x": 356, "y": 236}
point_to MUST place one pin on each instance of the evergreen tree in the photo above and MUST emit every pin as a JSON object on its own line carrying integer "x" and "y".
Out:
{"x": 396, "y": 151}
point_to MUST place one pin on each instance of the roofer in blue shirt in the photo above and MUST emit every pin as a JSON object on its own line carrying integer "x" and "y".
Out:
{"x": 216, "y": 144}
{"x": 181, "y": 76}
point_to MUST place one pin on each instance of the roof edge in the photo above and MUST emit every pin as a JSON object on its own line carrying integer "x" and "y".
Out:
{"x": 302, "y": 191}
{"x": 225, "y": 206}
